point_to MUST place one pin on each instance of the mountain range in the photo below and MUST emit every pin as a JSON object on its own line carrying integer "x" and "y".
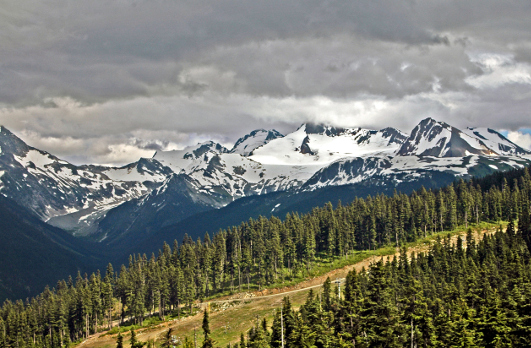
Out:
{"x": 117, "y": 210}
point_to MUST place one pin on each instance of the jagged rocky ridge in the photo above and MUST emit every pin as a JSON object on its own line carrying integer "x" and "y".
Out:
{"x": 109, "y": 203}
{"x": 51, "y": 187}
{"x": 245, "y": 145}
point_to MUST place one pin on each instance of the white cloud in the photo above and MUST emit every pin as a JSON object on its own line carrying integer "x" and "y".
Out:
{"x": 121, "y": 131}
{"x": 499, "y": 70}
{"x": 123, "y": 153}
{"x": 107, "y": 82}
{"x": 520, "y": 138}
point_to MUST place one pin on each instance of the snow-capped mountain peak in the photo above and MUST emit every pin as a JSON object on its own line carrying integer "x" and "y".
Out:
{"x": 496, "y": 141}
{"x": 246, "y": 144}
{"x": 314, "y": 144}
{"x": 190, "y": 158}
{"x": 439, "y": 139}
{"x": 331, "y": 131}
{"x": 200, "y": 149}
{"x": 395, "y": 136}
{"x": 11, "y": 144}
{"x": 209, "y": 176}
{"x": 146, "y": 170}
{"x": 51, "y": 187}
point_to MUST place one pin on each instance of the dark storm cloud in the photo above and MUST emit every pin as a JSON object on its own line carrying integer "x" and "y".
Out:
{"x": 113, "y": 78}
{"x": 100, "y": 50}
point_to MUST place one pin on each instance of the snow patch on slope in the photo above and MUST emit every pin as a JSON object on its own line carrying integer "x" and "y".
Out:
{"x": 439, "y": 139}
{"x": 136, "y": 173}
{"x": 306, "y": 147}
{"x": 36, "y": 157}
{"x": 408, "y": 168}
{"x": 495, "y": 141}
{"x": 247, "y": 144}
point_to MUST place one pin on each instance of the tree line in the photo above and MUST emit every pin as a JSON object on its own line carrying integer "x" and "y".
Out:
{"x": 254, "y": 254}
{"x": 452, "y": 296}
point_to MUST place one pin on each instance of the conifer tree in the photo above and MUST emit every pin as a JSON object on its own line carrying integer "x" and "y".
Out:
{"x": 107, "y": 294}
{"x": 259, "y": 338}
{"x": 135, "y": 343}
{"x": 208, "y": 342}
{"x": 289, "y": 320}
{"x": 524, "y": 223}
{"x": 276, "y": 331}
{"x": 327, "y": 294}
{"x": 120, "y": 340}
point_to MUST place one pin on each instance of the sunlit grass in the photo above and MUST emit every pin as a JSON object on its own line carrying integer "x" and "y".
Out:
{"x": 227, "y": 323}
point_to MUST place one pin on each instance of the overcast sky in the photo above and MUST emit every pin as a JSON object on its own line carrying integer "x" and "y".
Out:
{"x": 109, "y": 81}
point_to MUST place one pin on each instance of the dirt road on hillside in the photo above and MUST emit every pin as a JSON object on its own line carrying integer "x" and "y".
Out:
{"x": 223, "y": 306}
{"x": 342, "y": 272}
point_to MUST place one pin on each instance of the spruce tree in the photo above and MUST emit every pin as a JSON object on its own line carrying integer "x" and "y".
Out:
{"x": 327, "y": 294}
{"x": 135, "y": 343}
{"x": 259, "y": 339}
{"x": 119, "y": 340}
{"x": 208, "y": 341}
{"x": 276, "y": 331}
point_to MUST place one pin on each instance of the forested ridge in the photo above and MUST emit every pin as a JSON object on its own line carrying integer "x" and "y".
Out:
{"x": 262, "y": 252}
{"x": 452, "y": 296}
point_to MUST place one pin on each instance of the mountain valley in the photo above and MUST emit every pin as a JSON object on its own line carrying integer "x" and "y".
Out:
{"x": 207, "y": 187}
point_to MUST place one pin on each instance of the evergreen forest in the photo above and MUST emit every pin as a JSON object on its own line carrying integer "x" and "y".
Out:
{"x": 452, "y": 296}
{"x": 479, "y": 295}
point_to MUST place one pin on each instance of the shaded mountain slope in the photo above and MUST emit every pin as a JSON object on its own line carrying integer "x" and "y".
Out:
{"x": 132, "y": 222}
{"x": 279, "y": 204}
{"x": 34, "y": 254}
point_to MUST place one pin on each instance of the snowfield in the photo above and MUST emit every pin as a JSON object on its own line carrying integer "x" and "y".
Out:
{"x": 263, "y": 161}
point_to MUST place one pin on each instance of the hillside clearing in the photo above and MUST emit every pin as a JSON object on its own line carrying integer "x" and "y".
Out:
{"x": 233, "y": 315}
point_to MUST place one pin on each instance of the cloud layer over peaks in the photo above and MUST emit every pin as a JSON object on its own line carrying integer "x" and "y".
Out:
{"x": 115, "y": 80}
